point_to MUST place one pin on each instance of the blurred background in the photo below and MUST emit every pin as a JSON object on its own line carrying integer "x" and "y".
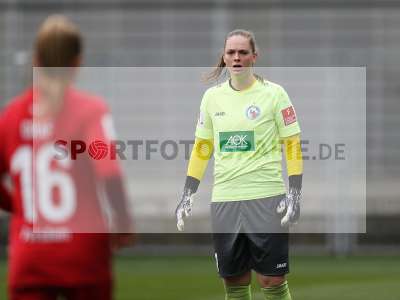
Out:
{"x": 180, "y": 33}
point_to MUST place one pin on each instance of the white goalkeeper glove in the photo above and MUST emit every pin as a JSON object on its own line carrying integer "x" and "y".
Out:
{"x": 184, "y": 208}
{"x": 291, "y": 203}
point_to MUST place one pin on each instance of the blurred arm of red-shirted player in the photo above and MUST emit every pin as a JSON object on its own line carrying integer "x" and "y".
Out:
{"x": 123, "y": 233}
{"x": 5, "y": 197}
{"x": 109, "y": 173}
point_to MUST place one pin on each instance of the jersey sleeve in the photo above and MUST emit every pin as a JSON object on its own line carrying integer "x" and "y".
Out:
{"x": 100, "y": 132}
{"x": 204, "y": 128}
{"x": 285, "y": 115}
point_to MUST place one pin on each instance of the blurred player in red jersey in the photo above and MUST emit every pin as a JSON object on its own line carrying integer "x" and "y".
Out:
{"x": 59, "y": 241}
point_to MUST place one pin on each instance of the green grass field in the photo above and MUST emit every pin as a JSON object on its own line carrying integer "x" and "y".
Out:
{"x": 195, "y": 278}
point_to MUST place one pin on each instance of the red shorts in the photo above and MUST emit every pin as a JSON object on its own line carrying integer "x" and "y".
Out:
{"x": 84, "y": 292}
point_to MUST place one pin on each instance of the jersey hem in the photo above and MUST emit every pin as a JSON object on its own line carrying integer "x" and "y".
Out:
{"x": 257, "y": 197}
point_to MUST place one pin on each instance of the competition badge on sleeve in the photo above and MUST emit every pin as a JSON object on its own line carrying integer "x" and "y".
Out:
{"x": 288, "y": 115}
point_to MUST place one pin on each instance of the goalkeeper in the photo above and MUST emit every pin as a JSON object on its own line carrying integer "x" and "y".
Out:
{"x": 245, "y": 120}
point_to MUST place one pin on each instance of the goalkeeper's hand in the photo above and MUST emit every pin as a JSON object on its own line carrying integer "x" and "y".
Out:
{"x": 184, "y": 208}
{"x": 290, "y": 204}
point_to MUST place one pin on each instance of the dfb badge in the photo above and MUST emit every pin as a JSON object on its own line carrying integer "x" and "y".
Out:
{"x": 288, "y": 115}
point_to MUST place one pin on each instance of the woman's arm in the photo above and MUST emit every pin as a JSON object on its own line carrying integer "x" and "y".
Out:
{"x": 294, "y": 163}
{"x": 201, "y": 154}
{"x": 294, "y": 160}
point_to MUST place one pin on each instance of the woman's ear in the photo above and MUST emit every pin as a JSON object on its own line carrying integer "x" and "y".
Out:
{"x": 223, "y": 58}
{"x": 255, "y": 56}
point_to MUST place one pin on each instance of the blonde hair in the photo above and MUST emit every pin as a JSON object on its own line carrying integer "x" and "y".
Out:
{"x": 216, "y": 73}
{"x": 58, "y": 43}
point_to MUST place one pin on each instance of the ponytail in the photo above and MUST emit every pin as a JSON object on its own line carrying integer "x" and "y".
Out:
{"x": 215, "y": 74}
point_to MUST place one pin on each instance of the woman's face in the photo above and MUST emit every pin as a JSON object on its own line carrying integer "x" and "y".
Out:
{"x": 238, "y": 55}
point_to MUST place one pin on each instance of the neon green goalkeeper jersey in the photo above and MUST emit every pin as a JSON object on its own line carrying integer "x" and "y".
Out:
{"x": 247, "y": 127}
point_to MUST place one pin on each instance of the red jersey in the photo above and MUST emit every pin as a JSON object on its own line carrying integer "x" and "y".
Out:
{"x": 55, "y": 203}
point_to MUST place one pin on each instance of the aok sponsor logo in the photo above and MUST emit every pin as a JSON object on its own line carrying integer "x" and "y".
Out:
{"x": 236, "y": 141}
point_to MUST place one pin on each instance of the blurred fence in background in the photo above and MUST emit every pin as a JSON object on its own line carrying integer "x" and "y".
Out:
{"x": 179, "y": 33}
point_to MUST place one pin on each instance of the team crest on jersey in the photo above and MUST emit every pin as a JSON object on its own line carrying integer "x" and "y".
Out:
{"x": 252, "y": 112}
